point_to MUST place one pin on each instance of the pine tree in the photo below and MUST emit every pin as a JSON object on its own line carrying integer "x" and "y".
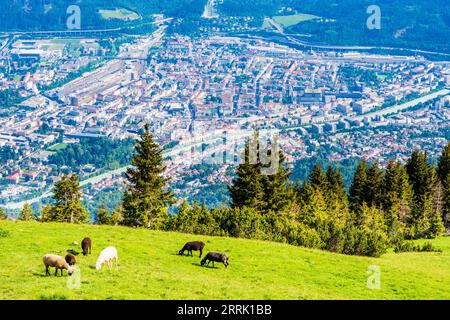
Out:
{"x": 117, "y": 216}
{"x": 396, "y": 199}
{"x": 313, "y": 210}
{"x": 374, "y": 181}
{"x": 27, "y": 213}
{"x": 335, "y": 182}
{"x": 357, "y": 195}
{"x": 318, "y": 179}
{"x": 443, "y": 172}
{"x": 46, "y": 213}
{"x": 146, "y": 199}
{"x": 336, "y": 198}
{"x": 3, "y": 215}
{"x": 443, "y": 169}
{"x": 436, "y": 217}
{"x": 421, "y": 177}
{"x": 447, "y": 203}
{"x": 278, "y": 193}
{"x": 103, "y": 216}
{"x": 247, "y": 188}
{"x": 68, "y": 206}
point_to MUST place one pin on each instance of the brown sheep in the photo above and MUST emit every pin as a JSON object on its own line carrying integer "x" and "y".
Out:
{"x": 58, "y": 262}
{"x": 86, "y": 245}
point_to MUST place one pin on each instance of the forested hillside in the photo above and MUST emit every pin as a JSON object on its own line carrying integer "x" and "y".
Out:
{"x": 51, "y": 14}
{"x": 412, "y": 24}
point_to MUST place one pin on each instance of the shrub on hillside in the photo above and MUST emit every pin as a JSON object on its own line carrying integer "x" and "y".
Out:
{"x": 3, "y": 233}
{"x": 407, "y": 246}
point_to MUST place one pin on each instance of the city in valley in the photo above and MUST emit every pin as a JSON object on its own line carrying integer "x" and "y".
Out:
{"x": 60, "y": 90}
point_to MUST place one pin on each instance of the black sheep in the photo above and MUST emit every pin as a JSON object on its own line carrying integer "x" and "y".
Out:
{"x": 86, "y": 245}
{"x": 215, "y": 257}
{"x": 194, "y": 245}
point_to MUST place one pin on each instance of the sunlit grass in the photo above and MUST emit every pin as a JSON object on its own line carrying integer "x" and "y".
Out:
{"x": 149, "y": 268}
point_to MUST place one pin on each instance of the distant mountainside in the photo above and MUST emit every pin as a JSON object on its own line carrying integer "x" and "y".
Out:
{"x": 51, "y": 14}
{"x": 415, "y": 24}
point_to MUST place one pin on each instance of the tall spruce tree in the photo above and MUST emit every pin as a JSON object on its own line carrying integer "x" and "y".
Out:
{"x": 374, "y": 181}
{"x": 103, "y": 216}
{"x": 357, "y": 195}
{"x": 46, "y": 213}
{"x": 443, "y": 169}
{"x": 257, "y": 188}
{"x": 146, "y": 199}
{"x": 67, "y": 197}
{"x": 421, "y": 177}
{"x": 278, "y": 192}
{"x": 335, "y": 182}
{"x": 318, "y": 179}
{"x": 27, "y": 213}
{"x": 396, "y": 199}
{"x": 443, "y": 172}
{"x": 336, "y": 197}
{"x": 247, "y": 188}
{"x": 3, "y": 215}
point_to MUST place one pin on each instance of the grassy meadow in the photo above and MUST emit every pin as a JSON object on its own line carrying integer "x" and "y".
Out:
{"x": 149, "y": 268}
{"x": 119, "y": 13}
{"x": 291, "y": 20}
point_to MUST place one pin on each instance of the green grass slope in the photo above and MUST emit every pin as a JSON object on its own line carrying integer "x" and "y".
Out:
{"x": 150, "y": 269}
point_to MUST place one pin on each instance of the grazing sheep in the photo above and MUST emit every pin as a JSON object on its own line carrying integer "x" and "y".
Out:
{"x": 194, "y": 245}
{"x": 215, "y": 257}
{"x": 107, "y": 255}
{"x": 71, "y": 259}
{"x": 86, "y": 245}
{"x": 58, "y": 262}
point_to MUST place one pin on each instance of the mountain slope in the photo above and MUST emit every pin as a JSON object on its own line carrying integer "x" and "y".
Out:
{"x": 40, "y": 15}
{"x": 151, "y": 269}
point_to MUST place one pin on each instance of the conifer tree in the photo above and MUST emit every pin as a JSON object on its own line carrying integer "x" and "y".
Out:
{"x": 146, "y": 199}
{"x": 357, "y": 195}
{"x": 443, "y": 172}
{"x": 436, "y": 216}
{"x": 247, "y": 188}
{"x": 335, "y": 182}
{"x": 278, "y": 192}
{"x": 318, "y": 179}
{"x": 336, "y": 197}
{"x": 46, "y": 213}
{"x": 374, "y": 181}
{"x": 103, "y": 216}
{"x": 396, "y": 199}
{"x": 421, "y": 177}
{"x": 68, "y": 206}
{"x": 117, "y": 216}
{"x": 3, "y": 215}
{"x": 27, "y": 213}
{"x": 443, "y": 169}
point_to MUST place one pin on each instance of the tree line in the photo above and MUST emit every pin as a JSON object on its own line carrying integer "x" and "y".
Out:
{"x": 383, "y": 208}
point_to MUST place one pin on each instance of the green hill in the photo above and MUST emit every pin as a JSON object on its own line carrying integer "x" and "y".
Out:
{"x": 149, "y": 268}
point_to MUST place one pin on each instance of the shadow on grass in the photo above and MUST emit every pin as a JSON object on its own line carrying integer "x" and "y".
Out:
{"x": 71, "y": 251}
{"x": 208, "y": 267}
{"x": 52, "y": 275}
{"x": 41, "y": 275}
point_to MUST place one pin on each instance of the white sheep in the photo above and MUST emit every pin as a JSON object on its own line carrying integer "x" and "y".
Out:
{"x": 58, "y": 262}
{"x": 107, "y": 255}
